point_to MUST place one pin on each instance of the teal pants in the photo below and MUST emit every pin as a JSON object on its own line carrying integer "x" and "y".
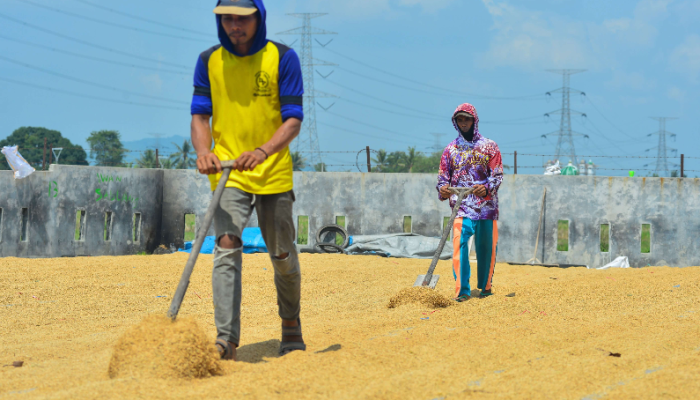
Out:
{"x": 485, "y": 234}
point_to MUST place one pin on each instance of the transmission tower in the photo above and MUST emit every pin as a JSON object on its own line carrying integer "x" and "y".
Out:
{"x": 565, "y": 141}
{"x": 307, "y": 141}
{"x": 662, "y": 156}
{"x": 438, "y": 146}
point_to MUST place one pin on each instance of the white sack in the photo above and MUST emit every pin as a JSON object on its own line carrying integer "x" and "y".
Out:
{"x": 619, "y": 262}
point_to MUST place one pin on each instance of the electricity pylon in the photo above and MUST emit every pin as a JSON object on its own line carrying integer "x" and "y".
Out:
{"x": 307, "y": 141}
{"x": 565, "y": 141}
{"x": 662, "y": 156}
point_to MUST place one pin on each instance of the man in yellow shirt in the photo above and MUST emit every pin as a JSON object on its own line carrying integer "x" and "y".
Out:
{"x": 252, "y": 90}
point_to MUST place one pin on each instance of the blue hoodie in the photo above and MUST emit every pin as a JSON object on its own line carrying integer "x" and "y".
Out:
{"x": 290, "y": 76}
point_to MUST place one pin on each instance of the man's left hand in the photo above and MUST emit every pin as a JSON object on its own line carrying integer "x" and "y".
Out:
{"x": 248, "y": 160}
{"x": 480, "y": 190}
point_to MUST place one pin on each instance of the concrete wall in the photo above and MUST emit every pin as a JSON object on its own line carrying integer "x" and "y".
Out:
{"x": 53, "y": 198}
{"x": 371, "y": 203}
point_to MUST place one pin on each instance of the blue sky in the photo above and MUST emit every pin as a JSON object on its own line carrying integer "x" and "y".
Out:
{"x": 418, "y": 59}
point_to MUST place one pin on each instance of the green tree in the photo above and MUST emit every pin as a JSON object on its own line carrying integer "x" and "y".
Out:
{"x": 166, "y": 163}
{"x": 379, "y": 161}
{"x": 320, "y": 167}
{"x": 410, "y": 158}
{"x": 298, "y": 162}
{"x": 147, "y": 160}
{"x": 30, "y": 141}
{"x": 185, "y": 157}
{"x": 429, "y": 164}
{"x": 106, "y": 148}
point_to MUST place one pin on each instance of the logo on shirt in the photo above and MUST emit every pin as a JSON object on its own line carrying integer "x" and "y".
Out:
{"x": 262, "y": 84}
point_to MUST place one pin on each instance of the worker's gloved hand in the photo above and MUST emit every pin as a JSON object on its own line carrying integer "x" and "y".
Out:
{"x": 208, "y": 164}
{"x": 445, "y": 192}
{"x": 480, "y": 190}
{"x": 248, "y": 160}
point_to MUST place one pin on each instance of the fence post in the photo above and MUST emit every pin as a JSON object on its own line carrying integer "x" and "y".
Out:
{"x": 369, "y": 163}
{"x": 682, "y": 162}
{"x": 43, "y": 161}
{"x": 157, "y": 163}
{"x": 515, "y": 163}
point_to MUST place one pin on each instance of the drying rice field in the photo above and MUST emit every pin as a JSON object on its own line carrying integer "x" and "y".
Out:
{"x": 565, "y": 334}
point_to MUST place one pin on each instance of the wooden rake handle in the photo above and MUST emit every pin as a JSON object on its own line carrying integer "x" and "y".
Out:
{"x": 199, "y": 241}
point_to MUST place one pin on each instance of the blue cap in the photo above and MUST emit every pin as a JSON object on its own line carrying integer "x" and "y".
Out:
{"x": 236, "y": 7}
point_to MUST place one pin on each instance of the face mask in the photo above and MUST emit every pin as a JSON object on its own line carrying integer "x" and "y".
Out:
{"x": 468, "y": 135}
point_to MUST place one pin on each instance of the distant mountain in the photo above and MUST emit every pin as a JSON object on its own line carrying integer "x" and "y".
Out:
{"x": 165, "y": 146}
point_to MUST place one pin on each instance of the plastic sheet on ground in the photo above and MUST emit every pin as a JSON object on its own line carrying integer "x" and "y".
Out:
{"x": 400, "y": 245}
{"x": 619, "y": 262}
{"x": 252, "y": 243}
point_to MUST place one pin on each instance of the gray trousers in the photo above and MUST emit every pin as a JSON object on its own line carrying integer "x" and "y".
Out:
{"x": 277, "y": 227}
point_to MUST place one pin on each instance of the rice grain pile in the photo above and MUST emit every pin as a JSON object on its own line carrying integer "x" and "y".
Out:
{"x": 161, "y": 348}
{"x": 425, "y": 296}
{"x": 558, "y": 337}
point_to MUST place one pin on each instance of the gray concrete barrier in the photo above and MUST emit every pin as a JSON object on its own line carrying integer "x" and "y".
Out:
{"x": 369, "y": 203}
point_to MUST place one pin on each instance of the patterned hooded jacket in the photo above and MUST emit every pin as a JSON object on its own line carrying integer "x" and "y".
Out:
{"x": 468, "y": 163}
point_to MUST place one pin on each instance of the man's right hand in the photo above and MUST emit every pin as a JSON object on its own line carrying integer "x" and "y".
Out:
{"x": 208, "y": 164}
{"x": 445, "y": 192}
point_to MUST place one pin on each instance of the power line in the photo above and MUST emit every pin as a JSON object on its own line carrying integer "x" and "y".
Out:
{"x": 83, "y": 42}
{"x": 136, "y": 17}
{"x": 390, "y": 111}
{"x": 103, "y": 22}
{"x": 375, "y": 127}
{"x": 104, "y": 60}
{"x": 403, "y": 106}
{"x": 83, "y": 81}
{"x": 455, "y": 92}
{"x": 610, "y": 122}
{"x": 87, "y": 96}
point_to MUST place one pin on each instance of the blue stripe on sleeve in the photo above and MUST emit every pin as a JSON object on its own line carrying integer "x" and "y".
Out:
{"x": 292, "y": 111}
{"x": 201, "y": 100}
{"x": 291, "y": 85}
{"x": 201, "y": 105}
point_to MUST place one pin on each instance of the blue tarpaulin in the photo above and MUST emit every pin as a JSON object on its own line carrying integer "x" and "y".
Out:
{"x": 252, "y": 243}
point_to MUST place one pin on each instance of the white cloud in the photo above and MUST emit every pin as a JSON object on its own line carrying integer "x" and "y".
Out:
{"x": 359, "y": 9}
{"x": 674, "y": 93}
{"x": 532, "y": 39}
{"x": 153, "y": 83}
{"x": 685, "y": 58}
{"x": 630, "y": 80}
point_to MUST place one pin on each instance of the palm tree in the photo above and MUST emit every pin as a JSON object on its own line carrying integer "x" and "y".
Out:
{"x": 184, "y": 157}
{"x": 298, "y": 162}
{"x": 166, "y": 163}
{"x": 380, "y": 161}
{"x": 147, "y": 160}
{"x": 410, "y": 158}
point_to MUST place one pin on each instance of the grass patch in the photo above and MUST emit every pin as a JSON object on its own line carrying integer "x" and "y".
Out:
{"x": 340, "y": 221}
{"x": 605, "y": 238}
{"x": 303, "y": 230}
{"x": 563, "y": 235}
{"x": 189, "y": 227}
{"x": 646, "y": 238}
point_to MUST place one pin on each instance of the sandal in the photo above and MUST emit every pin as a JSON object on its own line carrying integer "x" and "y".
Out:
{"x": 462, "y": 298}
{"x": 485, "y": 293}
{"x": 224, "y": 348}
{"x": 288, "y": 347}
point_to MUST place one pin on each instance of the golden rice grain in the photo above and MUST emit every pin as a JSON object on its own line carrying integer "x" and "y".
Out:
{"x": 425, "y": 296}
{"x": 161, "y": 348}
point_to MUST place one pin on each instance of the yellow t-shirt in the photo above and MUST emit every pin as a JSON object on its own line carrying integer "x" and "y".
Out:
{"x": 246, "y": 113}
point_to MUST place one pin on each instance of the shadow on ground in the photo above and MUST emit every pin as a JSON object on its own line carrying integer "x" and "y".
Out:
{"x": 255, "y": 352}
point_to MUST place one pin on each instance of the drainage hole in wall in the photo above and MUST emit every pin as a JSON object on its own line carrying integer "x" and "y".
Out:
{"x": 646, "y": 238}
{"x": 108, "y": 226}
{"x": 303, "y": 230}
{"x": 605, "y": 238}
{"x": 24, "y": 227}
{"x": 189, "y": 227}
{"x": 136, "y": 228}
{"x": 79, "y": 225}
{"x": 340, "y": 221}
{"x": 562, "y": 235}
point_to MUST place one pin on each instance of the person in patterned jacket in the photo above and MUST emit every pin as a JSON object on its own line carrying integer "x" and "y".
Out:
{"x": 472, "y": 160}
